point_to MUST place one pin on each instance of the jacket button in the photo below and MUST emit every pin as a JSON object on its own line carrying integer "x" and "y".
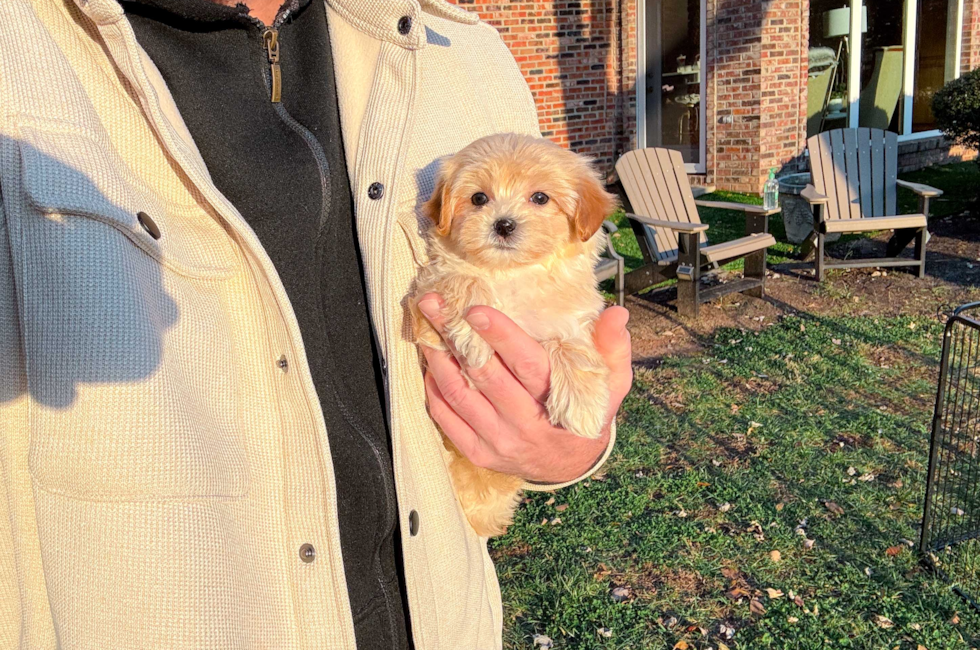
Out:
{"x": 404, "y": 25}
{"x": 148, "y": 224}
{"x": 283, "y": 363}
{"x": 307, "y": 553}
{"x": 376, "y": 191}
{"x": 413, "y": 523}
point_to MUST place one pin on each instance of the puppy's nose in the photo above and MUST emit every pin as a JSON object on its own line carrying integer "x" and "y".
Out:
{"x": 504, "y": 227}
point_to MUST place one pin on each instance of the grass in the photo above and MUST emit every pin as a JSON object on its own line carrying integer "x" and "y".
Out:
{"x": 721, "y": 460}
{"x": 791, "y": 459}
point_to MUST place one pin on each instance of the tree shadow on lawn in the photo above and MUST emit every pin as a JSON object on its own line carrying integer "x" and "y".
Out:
{"x": 809, "y": 382}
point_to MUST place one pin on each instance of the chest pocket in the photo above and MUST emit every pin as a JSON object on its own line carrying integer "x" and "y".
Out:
{"x": 131, "y": 349}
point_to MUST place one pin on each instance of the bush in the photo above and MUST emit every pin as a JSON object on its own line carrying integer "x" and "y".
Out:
{"x": 956, "y": 107}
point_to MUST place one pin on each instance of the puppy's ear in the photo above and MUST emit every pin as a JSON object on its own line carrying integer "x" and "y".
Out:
{"x": 440, "y": 206}
{"x": 594, "y": 205}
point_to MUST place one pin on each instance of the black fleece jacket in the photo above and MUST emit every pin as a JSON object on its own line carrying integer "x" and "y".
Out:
{"x": 282, "y": 165}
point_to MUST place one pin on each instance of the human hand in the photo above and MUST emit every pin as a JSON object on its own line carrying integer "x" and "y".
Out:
{"x": 502, "y": 423}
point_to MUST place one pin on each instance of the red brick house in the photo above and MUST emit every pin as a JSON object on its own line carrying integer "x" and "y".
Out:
{"x": 736, "y": 84}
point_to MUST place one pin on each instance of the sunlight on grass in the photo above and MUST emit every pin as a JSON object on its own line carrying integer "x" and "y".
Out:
{"x": 726, "y": 457}
{"x": 764, "y": 493}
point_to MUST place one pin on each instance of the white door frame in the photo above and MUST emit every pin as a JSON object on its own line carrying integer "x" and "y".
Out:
{"x": 909, "y": 27}
{"x": 641, "y": 84}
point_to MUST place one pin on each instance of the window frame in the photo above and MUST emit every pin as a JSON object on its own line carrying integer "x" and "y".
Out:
{"x": 909, "y": 19}
{"x": 641, "y": 85}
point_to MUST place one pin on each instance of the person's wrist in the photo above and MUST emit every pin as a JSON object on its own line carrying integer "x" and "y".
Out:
{"x": 592, "y": 450}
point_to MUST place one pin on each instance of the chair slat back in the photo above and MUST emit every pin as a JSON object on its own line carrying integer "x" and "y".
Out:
{"x": 656, "y": 183}
{"x": 858, "y": 170}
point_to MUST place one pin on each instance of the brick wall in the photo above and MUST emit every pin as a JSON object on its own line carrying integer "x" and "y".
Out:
{"x": 971, "y": 35}
{"x": 756, "y": 89}
{"x": 785, "y": 35}
{"x": 916, "y": 154}
{"x": 734, "y": 82}
{"x": 572, "y": 53}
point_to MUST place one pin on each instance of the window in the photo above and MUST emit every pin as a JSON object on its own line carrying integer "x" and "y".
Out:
{"x": 880, "y": 66}
{"x": 670, "y": 84}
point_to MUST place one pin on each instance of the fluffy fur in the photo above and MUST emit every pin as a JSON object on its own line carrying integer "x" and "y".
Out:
{"x": 540, "y": 275}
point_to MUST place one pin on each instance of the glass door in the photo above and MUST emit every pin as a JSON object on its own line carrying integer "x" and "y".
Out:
{"x": 674, "y": 79}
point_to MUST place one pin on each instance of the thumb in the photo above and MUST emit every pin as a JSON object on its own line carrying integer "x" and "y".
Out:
{"x": 612, "y": 339}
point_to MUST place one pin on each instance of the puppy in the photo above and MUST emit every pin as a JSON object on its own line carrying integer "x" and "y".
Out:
{"x": 515, "y": 222}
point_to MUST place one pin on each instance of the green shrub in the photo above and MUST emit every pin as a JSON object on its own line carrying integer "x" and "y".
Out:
{"x": 956, "y": 107}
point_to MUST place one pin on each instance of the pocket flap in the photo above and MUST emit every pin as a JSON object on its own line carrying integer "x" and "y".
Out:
{"x": 70, "y": 172}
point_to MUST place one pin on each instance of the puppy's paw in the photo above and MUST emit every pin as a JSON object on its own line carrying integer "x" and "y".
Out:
{"x": 579, "y": 396}
{"x": 423, "y": 331}
{"x": 470, "y": 345}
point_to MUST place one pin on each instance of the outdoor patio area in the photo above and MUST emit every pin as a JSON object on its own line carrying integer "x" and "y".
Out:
{"x": 767, "y": 484}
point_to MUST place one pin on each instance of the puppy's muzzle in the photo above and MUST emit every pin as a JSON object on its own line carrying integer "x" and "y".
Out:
{"x": 504, "y": 227}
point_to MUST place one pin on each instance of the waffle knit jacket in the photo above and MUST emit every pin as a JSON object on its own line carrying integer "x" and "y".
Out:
{"x": 163, "y": 454}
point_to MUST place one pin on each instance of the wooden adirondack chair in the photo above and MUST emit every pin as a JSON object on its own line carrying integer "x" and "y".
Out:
{"x": 671, "y": 236}
{"x": 855, "y": 189}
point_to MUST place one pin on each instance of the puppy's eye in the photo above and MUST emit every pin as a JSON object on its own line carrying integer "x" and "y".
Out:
{"x": 539, "y": 197}
{"x": 479, "y": 198}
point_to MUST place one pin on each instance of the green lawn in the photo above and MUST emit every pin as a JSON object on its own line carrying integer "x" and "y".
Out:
{"x": 761, "y": 495}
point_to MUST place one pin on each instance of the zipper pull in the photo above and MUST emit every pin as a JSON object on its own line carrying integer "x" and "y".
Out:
{"x": 271, "y": 38}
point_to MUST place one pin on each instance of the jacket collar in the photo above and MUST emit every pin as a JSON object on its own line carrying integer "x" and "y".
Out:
{"x": 377, "y": 18}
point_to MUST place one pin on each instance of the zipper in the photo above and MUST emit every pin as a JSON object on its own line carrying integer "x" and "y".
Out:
{"x": 271, "y": 38}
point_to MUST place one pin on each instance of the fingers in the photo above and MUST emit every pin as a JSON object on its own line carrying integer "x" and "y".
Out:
{"x": 522, "y": 355}
{"x": 509, "y": 397}
{"x": 468, "y": 403}
{"x": 454, "y": 427}
{"x": 431, "y": 305}
{"x": 612, "y": 339}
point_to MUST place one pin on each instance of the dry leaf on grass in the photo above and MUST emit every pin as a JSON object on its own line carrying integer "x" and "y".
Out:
{"x": 833, "y": 507}
{"x": 562, "y": 508}
{"x": 737, "y": 593}
{"x": 775, "y": 556}
{"x": 550, "y": 501}
{"x": 681, "y": 645}
{"x": 619, "y": 594}
{"x": 774, "y": 593}
{"x": 755, "y": 606}
{"x": 892, "y": 551}
{"x": 883, "y": 621}
{"x": 780, "y": 506}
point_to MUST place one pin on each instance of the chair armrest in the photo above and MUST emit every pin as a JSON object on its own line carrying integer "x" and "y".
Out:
{"x": 920, "y": 189}
{"x": 679, "y": 226}
{"x": 812, "y": 196}
{"x": 609, "y": 228}
{"x": 729, "y": 205}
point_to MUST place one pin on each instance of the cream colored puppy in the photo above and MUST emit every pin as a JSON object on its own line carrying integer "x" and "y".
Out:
{"x": 515, "y": 222}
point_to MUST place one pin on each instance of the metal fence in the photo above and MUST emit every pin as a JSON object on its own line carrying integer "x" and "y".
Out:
{"x": 952, "y": 507}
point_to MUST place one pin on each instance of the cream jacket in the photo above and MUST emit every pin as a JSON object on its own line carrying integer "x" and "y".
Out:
{"x": 163, "y": 456}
